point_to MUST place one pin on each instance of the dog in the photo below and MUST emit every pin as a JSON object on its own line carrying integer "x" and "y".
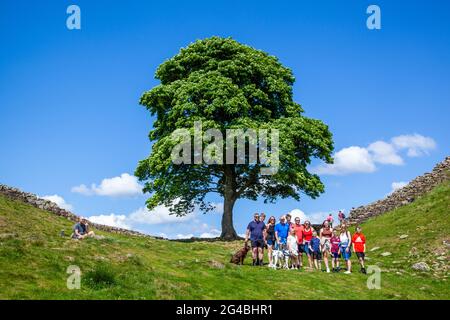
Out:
{"x": 239, "y": 256}
{"x": 280, "y": 259}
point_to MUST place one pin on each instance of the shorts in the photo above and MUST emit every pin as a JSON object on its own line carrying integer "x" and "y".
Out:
{"x": 270, "y": 242}
{"x": 335, "y": 255}
{"x": 317, "y": 255}
{"x": 360, "y": 255}
{"x": 300, "y": 248}
{"x": 257, "y": 243}
{"x": 306, "y": 248}
{"x": 346, "y": 255}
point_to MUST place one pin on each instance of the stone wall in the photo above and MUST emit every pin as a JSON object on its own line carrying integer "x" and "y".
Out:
{"x": 416, "y": 188}
{"x": 35, "y": 201}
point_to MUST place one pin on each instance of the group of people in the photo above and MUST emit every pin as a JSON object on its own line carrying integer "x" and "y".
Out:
{"x": 297, "y": 239}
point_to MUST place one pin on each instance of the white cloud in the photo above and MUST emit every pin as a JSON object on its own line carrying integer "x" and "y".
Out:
{"x": 356, "y": 159}
{"x": 398, "y": 185}
{"x": 124, "y": 185}
{"x": 297, "y": 213}
{"x": 416, "y": 144}
{"x": 173, "y": 226}
{"x": 314, "y": 217}
{"x": 59, "y": 201}
{"x": 184, "y": 236}
{"x": 385, "y": 153}
{"x": 348, "y": 160}
{"x": 218, "y": 207}
{"x": 159, "y": 215}
{"x": 113, "y": 220}
{"x": 214, "y": 233}
{"x": 82, "y": 189}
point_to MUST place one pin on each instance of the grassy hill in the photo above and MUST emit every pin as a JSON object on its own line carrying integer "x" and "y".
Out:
{"x": 34, "y": 259}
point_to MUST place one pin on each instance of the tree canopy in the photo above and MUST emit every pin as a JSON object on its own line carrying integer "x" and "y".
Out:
{"x": 228, "y": 85}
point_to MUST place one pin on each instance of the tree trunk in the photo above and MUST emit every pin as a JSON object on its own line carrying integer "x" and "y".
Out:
{"x": 228, "y": 232}
{"x": 230, "y": 197}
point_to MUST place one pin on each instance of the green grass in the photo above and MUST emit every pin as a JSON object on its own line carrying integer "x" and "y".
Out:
{"x": 34, "y": 260}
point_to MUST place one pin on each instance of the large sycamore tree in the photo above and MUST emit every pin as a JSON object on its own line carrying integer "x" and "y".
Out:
{"x": 228, "y": 85}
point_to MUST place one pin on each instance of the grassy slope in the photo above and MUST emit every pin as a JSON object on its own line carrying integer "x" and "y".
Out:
{"x": 34, "y": 259}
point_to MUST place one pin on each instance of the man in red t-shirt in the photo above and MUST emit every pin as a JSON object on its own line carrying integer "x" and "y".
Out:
{"x": 359, "y": 247}
{"x": 298, "y": 229}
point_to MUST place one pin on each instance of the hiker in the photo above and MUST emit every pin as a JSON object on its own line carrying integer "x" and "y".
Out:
{"x": 330, "y": 220}
{"x": 262, "y": 217}
{"x": 307, "y": 236}
{"x": 345, "y": 238}
{"x": 255, "y": 231}
{"x": 335, "y": 251}
{"x": 325, "y": 236}
{"x": 341, "y": 217}
{"x": 281, "y": 233}
{"x": 359, "y": 247}
{"x": 298, "y": 229}
{"x": 81, "y": 230}
{"x": 270, "y": 238}
{"x": 315, "y": 249}
{"x": 292, "y": 246}
{"x": 288, "y": 220}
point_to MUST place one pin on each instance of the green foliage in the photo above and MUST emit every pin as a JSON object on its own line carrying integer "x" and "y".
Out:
{"x": 145, "y": 268}
{"x": 101, "y": 277}
{"x": 228, "y": 85}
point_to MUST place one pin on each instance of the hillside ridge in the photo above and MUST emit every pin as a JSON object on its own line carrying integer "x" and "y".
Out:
{"x": 416, "y": 188}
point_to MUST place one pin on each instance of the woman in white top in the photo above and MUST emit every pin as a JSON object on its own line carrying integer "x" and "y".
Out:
{"x": 345, "y": 244}
{"x": 293, "y": 248}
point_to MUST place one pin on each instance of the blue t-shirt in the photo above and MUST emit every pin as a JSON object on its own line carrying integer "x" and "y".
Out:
{"x": 282, "y": 230}
{"x": 80, "y": 227}
{"x": 256, "y": 230}
{"x": 315, "y": 244}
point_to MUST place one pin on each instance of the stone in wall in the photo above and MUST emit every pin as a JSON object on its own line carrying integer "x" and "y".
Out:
{"x": 409, "y": 193}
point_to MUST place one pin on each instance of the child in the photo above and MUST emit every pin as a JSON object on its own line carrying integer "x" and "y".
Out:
{"x": 335, "y": 252}
{"x": 359, "y": 247}
{"x": 293, "y": 248}
{"x": 315, "y": 249}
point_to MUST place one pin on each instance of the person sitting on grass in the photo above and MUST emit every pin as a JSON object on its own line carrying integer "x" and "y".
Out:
{"x": 315, "y": 249}
{"x": 292, "y": 246}
{"x": 81, "y": 230}
{"x": 359, "y": 247}
{"x": 335, "y": 252}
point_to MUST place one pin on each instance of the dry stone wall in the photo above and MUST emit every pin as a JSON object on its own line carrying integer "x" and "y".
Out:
{"x": 35, "y": 201}
{"x": 416, "y": 188}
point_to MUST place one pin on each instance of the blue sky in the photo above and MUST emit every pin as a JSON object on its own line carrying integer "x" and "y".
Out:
{"x": 69, "y": 112}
